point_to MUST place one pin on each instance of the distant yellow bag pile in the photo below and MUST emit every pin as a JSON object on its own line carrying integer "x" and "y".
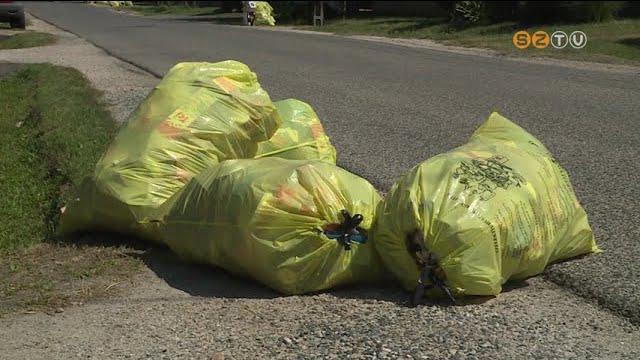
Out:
{"x": 264, "y": 14}
{"x": 497, "y": 208}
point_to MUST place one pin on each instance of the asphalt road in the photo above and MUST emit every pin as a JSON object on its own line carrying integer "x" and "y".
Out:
{"x": 388, "y": 107}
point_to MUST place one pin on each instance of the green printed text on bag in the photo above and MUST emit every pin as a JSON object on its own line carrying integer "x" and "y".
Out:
{"x": 497, "y": 208}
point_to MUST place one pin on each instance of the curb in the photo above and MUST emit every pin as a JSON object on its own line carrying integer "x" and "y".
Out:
{"x": 110, "y": 53}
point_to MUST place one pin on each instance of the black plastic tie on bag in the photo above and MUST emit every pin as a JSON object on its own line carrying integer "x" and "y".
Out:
{"x": 348, "y": 231}
{"x": 428, "y": 265}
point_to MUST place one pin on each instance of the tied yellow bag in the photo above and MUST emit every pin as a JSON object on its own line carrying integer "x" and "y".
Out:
{"x": 198, "y": 115}
{"x": 296, "y": 226}
{"x": 264, "y": 14}
{"x": 300, "y": 137}
{"x": 497, "y": 208}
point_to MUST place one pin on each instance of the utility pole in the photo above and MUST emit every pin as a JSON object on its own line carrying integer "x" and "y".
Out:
{"x": 318, "y": 12}
{"x": 344, "y": 11}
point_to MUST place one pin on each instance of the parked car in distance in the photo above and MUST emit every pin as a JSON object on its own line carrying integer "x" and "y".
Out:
{"x": 13, "y": 13}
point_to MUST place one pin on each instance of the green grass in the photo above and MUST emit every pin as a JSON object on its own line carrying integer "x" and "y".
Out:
{"x": 609, "y": 42}
{"x": 27, "y": 39}
{"x": 53, "y": 129}
{"x": 172, "y": 10}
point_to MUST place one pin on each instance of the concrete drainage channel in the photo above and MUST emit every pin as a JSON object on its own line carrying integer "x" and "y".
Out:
{"x": 180, "y": 311}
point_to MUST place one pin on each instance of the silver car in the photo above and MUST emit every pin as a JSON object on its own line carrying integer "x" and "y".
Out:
{"x": 13, "y": 13}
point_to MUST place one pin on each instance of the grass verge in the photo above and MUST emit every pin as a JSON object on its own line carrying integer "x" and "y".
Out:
{"x": 53, "y": 129}
{"x": 26, "y": 40}
{"x": 615, "y": 41}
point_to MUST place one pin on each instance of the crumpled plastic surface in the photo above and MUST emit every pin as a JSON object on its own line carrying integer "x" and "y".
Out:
{"x": 198, "y": 115}
{"x": 264, "y": 14}
{"x": 266, "y": 219}
{"x": 300, "y": 137}
{"x": 497, "y": 208}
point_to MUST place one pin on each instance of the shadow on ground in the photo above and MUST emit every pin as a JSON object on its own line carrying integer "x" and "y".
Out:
{"x": 635, "y": 42}
{"x": 209, "y": 281}
{"x": 196, "y": 280}
{"x": 227, "y": 19}
{"x": 216, "y": 11}
{"x": 409, "y": 25}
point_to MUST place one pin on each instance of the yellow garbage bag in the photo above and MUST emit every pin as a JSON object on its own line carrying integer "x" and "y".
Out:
{"x": 300, "y": 137}
{"x": 198, "y": 115}
{"x": 264, "y": 14}
{"x": 497, "y": 208}
{"x": 296, "y": 226}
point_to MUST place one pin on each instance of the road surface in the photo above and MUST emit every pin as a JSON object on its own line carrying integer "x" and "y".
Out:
{"x": 387, "y": 108}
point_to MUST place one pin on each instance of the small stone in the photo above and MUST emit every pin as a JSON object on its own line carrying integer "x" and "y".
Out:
{"x": 59, "y": 310}
{"x": 287, "y": 341}
{"x": 453, "y": 351}
{"x": 217, "y": 356}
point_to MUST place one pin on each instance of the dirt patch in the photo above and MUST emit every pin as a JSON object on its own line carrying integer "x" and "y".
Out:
{"x": 48, "y": 277}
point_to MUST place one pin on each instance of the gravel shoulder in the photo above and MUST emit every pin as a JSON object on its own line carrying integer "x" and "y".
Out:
{"x": 175, "y": 311}
{"x": 233, "y": 319}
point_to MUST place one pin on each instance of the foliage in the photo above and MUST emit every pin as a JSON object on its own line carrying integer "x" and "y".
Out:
{"x": 467, "y": 12}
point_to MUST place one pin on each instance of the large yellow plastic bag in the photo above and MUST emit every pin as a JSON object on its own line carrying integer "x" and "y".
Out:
{"x": 277, "y": 221}
{"x": 198, "y": 115}
{"x": 264, "y": 13}
{"x": 497, "y": 208}
{"x": 300, "y": 137}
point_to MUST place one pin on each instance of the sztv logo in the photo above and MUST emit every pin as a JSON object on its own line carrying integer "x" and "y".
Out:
{"x": 541, "y": 39}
